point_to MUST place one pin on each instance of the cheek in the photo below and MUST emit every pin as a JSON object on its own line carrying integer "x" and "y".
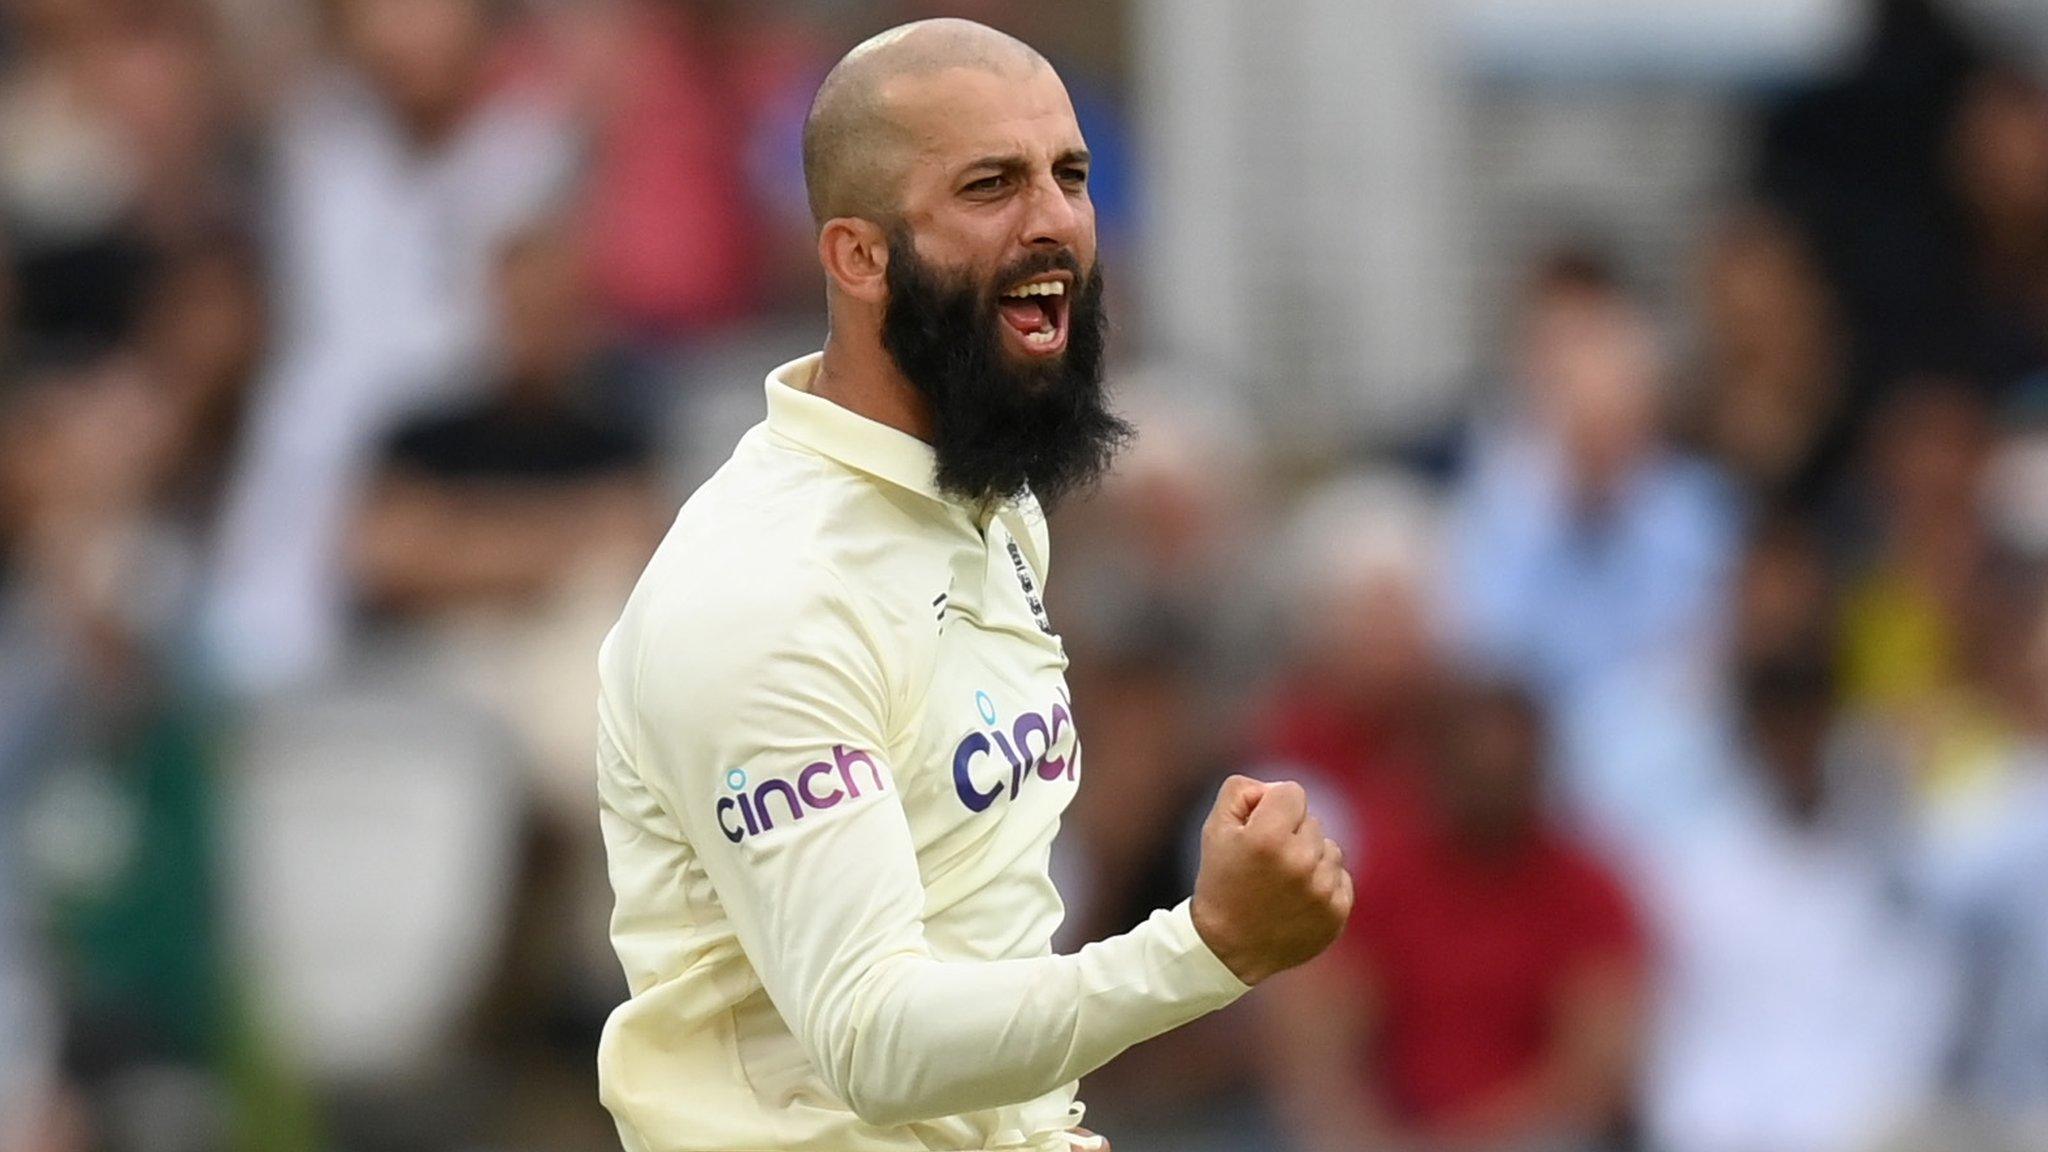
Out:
{"x": 960, "y": 235}
{"x": 1085, "y": 239}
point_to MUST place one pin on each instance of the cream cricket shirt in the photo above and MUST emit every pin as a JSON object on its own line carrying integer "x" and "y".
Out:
{"x": 835, "y": 744}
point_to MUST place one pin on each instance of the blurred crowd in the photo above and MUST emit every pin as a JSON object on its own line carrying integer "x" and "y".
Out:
{"x": 1682, "y": 706}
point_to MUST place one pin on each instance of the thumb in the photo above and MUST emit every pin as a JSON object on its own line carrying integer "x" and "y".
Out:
{"x": 1239, "y": 796}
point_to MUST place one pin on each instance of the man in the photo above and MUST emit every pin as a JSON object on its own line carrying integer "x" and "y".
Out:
{"x": 835, "y": 739}
{"x": 1488, "y": 993}
{"x": 1587, "y": 555}
{"x": 1809, "y": 992}
{"x": 400, "y": 171}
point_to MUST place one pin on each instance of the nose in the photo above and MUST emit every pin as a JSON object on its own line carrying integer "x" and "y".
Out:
{"x": 1054, "y": 219}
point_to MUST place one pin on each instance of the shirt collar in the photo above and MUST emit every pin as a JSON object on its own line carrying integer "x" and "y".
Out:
{"x": 843, "y": 435}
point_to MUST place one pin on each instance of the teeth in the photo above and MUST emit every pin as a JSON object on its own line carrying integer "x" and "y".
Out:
{"x": 1042, "y": 336}
{"x": 1042, "y": 288}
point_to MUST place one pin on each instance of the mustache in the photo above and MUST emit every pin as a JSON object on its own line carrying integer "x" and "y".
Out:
{"x": 1037, "y": 264}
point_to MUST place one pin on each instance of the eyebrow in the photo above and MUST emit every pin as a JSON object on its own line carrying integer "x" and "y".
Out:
{"x": 1014, "y": 163}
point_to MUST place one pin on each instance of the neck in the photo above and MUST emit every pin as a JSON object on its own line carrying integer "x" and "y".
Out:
{"x": 858, "y": 376}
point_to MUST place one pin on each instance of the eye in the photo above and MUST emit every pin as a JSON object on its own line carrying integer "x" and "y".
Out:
{"x": 985, "y": 184}
{"x": 1073, "y": 175}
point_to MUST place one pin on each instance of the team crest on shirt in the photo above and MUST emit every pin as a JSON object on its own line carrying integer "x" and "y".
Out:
{"x": 1030, "y": 587}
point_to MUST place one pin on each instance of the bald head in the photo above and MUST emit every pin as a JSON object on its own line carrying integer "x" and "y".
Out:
{"x": 860, "y": 135}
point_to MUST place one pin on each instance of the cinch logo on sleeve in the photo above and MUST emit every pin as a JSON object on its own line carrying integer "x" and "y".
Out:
{"x": 821, "y": 785}
{"x": 1026, "y": 746}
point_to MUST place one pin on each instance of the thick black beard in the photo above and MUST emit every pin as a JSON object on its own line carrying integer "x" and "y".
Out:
{"x": 1000, "y": 426}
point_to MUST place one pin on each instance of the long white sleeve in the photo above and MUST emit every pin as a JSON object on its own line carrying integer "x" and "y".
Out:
{"x": 826, "y": 899}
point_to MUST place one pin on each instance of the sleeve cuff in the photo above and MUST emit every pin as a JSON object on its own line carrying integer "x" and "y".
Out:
{"x": 1210, "y": 978}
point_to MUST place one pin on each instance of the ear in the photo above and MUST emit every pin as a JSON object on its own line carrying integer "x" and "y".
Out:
{"x": 855, "y": 255}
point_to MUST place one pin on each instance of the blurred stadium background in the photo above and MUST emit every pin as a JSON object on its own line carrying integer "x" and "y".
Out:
{"x": 1602, "y": 445}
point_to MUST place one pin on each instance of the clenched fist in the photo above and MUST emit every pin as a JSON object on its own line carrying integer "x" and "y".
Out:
{"x": 1272, "y": 890}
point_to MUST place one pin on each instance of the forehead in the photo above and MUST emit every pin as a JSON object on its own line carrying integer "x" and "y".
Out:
{"x": 956, "y": 116}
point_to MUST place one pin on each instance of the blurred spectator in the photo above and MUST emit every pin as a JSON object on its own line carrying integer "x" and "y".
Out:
{"x": 1913, "y": 632}
{"x": 1990, "y": 875}
{"x": 1363, "y": 647}
{"x": 1184, "y": 501}
{"x": 203, "y": 330}
{"x": 400, "y": 170}
{"x": 510, "y": 519}
{"x": 1590, "y": 556}
{"x": 1773, "y": 404}
{"x": 1784, "y": 593}
{"x": 1806, "y": 1000}
{"x": 1923, "y": 179}
{"x": 1584, "y": 540}
{"x": 117, "y": 141}
{"x": 1998, "y": 172}
{"x": 1488, "y": 991}
{"x": 677, "y": 94}
{"x": 503, "y": 498}
{"x": 107, "y": 763}
{"x": 95, "y": 563}
{"x": 1857, "y": 162}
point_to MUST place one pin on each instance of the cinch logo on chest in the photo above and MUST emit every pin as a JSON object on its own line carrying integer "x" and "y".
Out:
{"x": 1025, "y": 746}
{"x": 818, "y": 787}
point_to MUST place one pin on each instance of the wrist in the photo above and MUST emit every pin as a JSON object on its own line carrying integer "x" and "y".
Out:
{"x": 1222, "y": 944}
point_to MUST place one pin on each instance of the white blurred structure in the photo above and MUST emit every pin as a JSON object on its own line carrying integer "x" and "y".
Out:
{"x": 1306, "y": 220}
{"x": 1690, "y": 40}
{"x": 373, "y": 856}
{"x": 1334, "y": 205}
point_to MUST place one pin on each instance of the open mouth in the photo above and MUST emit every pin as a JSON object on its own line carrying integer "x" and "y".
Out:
{"x": 1035, "y": 313}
